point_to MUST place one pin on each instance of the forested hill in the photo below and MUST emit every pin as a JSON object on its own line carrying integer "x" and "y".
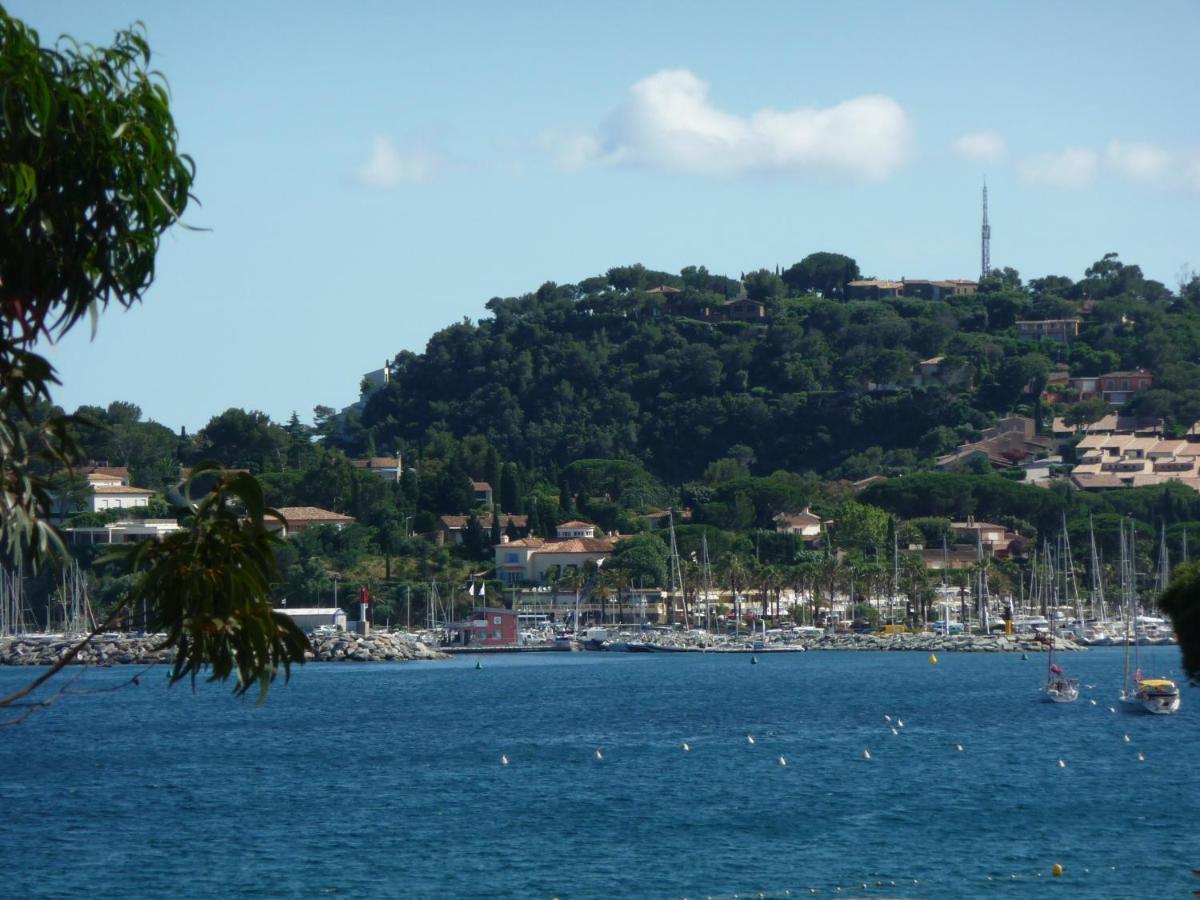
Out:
{"x": 617, "y": 367}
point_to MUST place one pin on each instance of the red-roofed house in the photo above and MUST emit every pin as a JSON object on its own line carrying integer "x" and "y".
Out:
{"x": 297, "y": 518}
{"x": 388, "y": 467}
{"x": 528, "y": 560}
{"x": 804, "y": 523}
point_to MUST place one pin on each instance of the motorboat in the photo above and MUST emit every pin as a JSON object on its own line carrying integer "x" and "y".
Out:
{"x": 1159, "y": 696}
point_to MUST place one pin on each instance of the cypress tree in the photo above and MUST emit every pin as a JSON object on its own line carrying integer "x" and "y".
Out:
{"x": 510, "y": 490}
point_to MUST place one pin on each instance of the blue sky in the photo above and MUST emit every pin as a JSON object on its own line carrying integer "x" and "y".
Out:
{"x": 375, "y": 171}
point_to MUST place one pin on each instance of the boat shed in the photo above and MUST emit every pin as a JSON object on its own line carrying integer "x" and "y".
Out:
{"x": 486, "y": 628}
{"x": 309, "y": 619}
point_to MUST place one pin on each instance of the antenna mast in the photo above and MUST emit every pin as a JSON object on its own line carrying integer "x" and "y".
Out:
{"x": 985, "y": 238}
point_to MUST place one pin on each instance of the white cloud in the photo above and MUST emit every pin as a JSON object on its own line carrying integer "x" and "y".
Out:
{"x": 1139, "y": 161}
{"x": 668, "y": 123}
{"x": 987, "y": 146}
{"x": 1070, "y": 168}
{"x": 390, "y": 166}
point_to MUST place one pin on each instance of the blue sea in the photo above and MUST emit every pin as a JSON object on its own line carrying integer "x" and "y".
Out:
{"x": 387, "y": 781}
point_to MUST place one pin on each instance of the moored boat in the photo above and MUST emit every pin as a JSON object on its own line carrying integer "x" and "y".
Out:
{"x": 1159, "y": 696}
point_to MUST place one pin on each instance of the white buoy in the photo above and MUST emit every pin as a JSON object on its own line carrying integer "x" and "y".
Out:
{"x": 894, "y": 731}
{"x": 900, "y": 722}
{"x": 686, "y": 748}
{"x": 1127, "y": 739}
{"x": 958, "y": 747}
{"x": 1112, "y": 709}
{"x": 1141, "y": 756}
{"x": 749, "y": 739}
{"x": 1093, "y": 702}
{"x": 866, "y": 754}
{"x": 504, "y": 760}
{"x": 886, "y": 716}
{"x": 1062, "y": 764}
{"x": 782, "y": 761}
{"x": 599, "y": 753}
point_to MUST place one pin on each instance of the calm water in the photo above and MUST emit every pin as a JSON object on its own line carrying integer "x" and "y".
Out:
{"x": 387, "y": 780}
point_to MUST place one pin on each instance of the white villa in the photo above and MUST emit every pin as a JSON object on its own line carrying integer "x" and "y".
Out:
{"x": 528, "y": 560}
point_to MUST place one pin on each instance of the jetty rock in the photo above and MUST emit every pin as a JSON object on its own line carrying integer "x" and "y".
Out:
{"x": 378, "y": 647}
{"x": 935, "y": 643}
{"x": 103, "y": 650}
{"x": 128, "y": 649}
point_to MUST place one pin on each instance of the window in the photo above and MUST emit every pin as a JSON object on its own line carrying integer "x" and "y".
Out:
{"x": 495, "y": 620}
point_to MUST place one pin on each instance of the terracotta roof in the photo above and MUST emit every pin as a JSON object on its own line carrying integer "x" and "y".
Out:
{"x": 376, "y": 462}
{"x": 579, "y": 545}
{"x": 797, "y": 518}
{"x": 115, "y": 471}
{"x": 575, "y": 523}
{"x": 532, "y": 542}
{"x": 311, "y": 514}
{"x": 481, "y": 485}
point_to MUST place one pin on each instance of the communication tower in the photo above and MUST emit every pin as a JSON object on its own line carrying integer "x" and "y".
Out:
{"x": 985, "y": 238}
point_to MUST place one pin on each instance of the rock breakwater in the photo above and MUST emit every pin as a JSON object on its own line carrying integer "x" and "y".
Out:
{"x": 934, "y": 643}
{"x": 379, "y": 647}
{"x": 123, "y": 649}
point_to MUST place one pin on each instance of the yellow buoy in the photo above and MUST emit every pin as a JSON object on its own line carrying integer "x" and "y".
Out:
{"x": 1056, "y": 870}
{"x": 933, "y": 659}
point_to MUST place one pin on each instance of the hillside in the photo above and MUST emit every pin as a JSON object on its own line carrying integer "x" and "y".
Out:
{"x": 634, "y": 364}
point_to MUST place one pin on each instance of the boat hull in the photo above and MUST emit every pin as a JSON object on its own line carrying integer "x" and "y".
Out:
{"x": 1062, "y": 690}
{"x": 1159, "y": 703}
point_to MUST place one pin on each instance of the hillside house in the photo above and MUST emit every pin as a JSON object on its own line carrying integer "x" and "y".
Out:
{"x": 937, "y": 372}
{"x": 805, "y": 524}
{"x": 1113, "y": 461}
{"x": 1059, "y": 330}
{"x": 452, "y": 528}
{"x": 298, "y": 518}
{"x": 1114, "y": 387}
{"x": 1110, "y": 424}
{"x": 387, "y": 467}
{"x": 528, "y": 560}
{"x": 1008, "y": 443}
{"x": 874, "y": 289}
{"x": 125, "y": 532}
{"x": 996, "y": 540}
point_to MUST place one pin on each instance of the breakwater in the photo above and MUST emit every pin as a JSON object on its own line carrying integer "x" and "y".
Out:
{"x": 123, "y": 649}
{"x": 701, "y": 642}
{"x": 933, "y": 643}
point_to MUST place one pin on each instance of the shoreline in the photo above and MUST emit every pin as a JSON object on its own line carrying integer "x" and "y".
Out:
{"x": 111, "y": 650}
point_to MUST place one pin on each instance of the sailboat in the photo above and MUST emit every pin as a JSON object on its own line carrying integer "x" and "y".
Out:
{"x": 1059, "y": 688}
{"x": 1158, "y": 696}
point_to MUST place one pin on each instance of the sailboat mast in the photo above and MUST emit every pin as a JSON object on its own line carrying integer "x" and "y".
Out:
{"x": 676, "y": 574}
{"x": 707, "y": 579}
